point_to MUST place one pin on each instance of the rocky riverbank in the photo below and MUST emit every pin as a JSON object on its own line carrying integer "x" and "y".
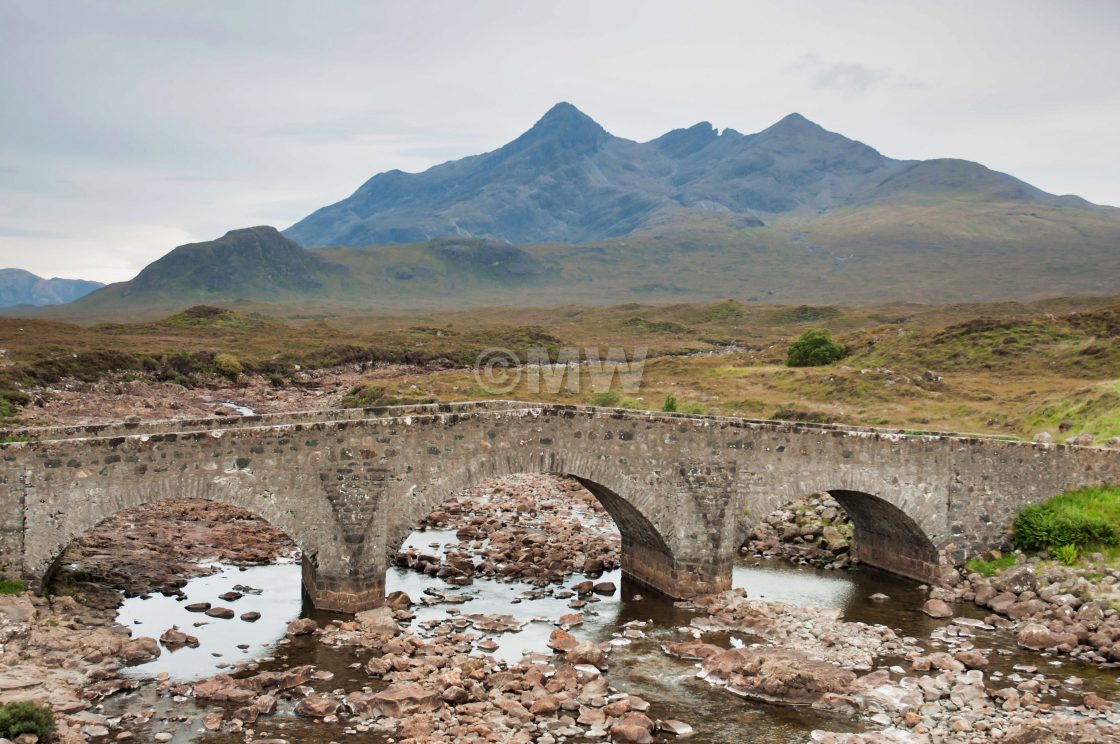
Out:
{"x": 803, "y": 656}
{"x": 1051, "y": 608}
{"x": 157, "y": 547}
{"x": 812, "y": 530}
{"x": 538, "y": 529}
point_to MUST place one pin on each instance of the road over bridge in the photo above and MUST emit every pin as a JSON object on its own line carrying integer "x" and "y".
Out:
{"x": 348, "y": 486}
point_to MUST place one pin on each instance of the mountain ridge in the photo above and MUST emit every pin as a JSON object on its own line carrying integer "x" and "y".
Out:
{"x": 20, "y": 287}
{"x": 567, "y": 179}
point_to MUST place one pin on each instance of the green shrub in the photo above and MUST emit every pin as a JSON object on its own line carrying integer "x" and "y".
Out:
{"x": 814, "y": 348}
{"x": 1084, "y": 518}
{"x": 26, "y": 717}
{"x": 1067, "y": 555}
{"x": 227, "y": 365}
{"x": 670, "y": 404}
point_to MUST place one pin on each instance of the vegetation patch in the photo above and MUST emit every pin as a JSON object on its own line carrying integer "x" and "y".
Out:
{"x": 1082, "y": 519}
{"x": 1094, "y": 410}
{"x": 613, "y": 399}
{"x": 642, "y": 325}
{"x": 207, "y": 316}
{"x": 26, "y": 717}
{"x": 367, "y": 395}
{"x": 990, "y": 568}
{"x": 12, "y": 586}
{"x": 671, "y": 405}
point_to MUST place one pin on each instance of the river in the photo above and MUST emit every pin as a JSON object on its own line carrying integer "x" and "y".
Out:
{"x": 638, "y": 666}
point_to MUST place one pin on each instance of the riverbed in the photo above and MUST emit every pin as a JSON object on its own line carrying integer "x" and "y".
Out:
{"x": 638, "y": 665}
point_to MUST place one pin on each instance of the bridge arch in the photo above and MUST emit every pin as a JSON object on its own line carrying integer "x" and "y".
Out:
{"x": 893, "y": 530}
{"x": 654, "y": 553}
{"x": 886, "y": 537}
{"x": 310, "y": 526}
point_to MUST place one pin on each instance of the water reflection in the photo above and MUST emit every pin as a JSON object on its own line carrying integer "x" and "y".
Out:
{"x": 279, "y": 602}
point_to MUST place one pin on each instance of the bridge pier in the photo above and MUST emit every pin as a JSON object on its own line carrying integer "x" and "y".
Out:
{"x": 343, "y": 593}
{"x": 674, "y": 578}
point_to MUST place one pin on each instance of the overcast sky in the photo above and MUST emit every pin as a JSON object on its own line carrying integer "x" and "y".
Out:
{"x": 127, "y": 128}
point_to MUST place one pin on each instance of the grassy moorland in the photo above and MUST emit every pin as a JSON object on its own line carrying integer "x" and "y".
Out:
{"x": 1000, "y": 368}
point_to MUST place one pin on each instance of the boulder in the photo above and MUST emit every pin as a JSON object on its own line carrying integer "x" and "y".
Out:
{"x": 140, "y": 650}
{"x": 587, "y": 653}
{"x": 778, "y": 675}
{"x": 937, "y": 608}
{"x": 562, "y": 641}
{"x": 175, "y": 638}
{"x": 405, "y": 699}
{"x": 1016, "y": 580}
{"x": 398, "y": 601}
{"x": 302, "y": 626}
{"x": 317, "y": 707}
{"x": 378, "y": 620}
{"x": 1037, "y": 637}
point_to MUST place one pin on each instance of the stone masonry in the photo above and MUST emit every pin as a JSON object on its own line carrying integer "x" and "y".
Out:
{"x": 348, "y": 486}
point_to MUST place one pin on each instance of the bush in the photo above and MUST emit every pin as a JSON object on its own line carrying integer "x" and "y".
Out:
{"x": 26, "y": 717}
{"x": 814, "y": 348}
{"x": 227, "y": 365}
{"x": 670, "y": 404}
{"x": 1089, "y": 517}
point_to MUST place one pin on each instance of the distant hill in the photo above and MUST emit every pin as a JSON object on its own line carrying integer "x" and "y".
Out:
{"x": 568, "y": 180}
{"x": 569, "y": 213}
{"x": 19, "y": 287}
{"x": 255, "y": 263}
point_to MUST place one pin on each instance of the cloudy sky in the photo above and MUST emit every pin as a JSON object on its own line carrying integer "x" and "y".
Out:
{"x": 127, "y": 128}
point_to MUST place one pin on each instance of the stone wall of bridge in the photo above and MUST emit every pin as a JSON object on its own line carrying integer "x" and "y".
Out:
{"x": 684, "y": 491}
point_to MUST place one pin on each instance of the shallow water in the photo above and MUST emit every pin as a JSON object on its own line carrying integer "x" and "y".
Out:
{"x": 279, "y": 602}
{"x": 638, "y": 667}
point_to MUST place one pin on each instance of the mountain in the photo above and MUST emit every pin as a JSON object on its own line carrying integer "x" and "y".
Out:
{"x": 569, "y": 213}
{"x": 568, "y": 180}
{"x": 254, "y": 263}
{"x": 19, "y": 287}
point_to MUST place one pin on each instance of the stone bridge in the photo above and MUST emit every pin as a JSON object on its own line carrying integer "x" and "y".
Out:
{"x": 348, "y": 486}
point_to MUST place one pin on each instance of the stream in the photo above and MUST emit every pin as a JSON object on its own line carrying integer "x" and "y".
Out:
{"x": 637, "y": 666}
